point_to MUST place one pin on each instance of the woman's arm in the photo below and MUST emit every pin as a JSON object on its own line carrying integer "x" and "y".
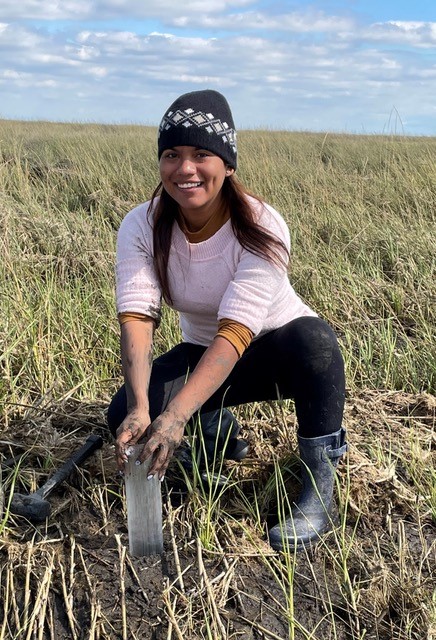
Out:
{"x": 137, "y": 359}
{"x": 166, "y": 431}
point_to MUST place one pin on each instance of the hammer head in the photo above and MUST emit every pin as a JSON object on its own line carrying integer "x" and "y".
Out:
{"x": 32, "y": 507}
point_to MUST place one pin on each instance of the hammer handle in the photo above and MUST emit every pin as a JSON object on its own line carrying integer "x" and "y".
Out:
{"x": 93, "y": 443}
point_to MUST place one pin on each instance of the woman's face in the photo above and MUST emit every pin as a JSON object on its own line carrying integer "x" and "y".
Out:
{"x": 193, "y": 178}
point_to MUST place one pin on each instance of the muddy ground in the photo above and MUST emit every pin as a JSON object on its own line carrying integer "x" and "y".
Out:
{"x": 73, "y": 578}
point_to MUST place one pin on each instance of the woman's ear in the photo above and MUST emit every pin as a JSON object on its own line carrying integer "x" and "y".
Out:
{"x": 229, "y": 171}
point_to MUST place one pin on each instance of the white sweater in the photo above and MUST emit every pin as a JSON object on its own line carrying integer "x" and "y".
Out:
{"x": 209, "y": 280}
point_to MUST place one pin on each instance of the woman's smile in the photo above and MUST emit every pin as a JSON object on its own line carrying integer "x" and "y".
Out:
{"x": 189, "y": 185}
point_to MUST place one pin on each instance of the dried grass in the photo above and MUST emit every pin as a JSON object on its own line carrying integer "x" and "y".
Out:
{"x": 373, "y": 577}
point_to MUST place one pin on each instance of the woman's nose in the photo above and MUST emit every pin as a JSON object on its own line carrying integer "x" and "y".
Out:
{"x": 186, "y": 166}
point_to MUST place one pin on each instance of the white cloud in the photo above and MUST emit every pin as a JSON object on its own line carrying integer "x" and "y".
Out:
{"x": 46, "y": 83}
{"x": 52, "y": 59}
{"x": 45, "y": 9}
{"x": 16, "y": 37}
{"x": 11, "y": 73}
{"x": 298, "y": 22}
{"x": 107, "y": 9}
{"x": 25, "y": 80}
{"x": 84, "y": 52}
{"x": 426, "y": 73}
{"x": 416, "y": 34}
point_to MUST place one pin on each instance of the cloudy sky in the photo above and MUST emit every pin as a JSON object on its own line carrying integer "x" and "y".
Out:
{"x": 360, "y": 66}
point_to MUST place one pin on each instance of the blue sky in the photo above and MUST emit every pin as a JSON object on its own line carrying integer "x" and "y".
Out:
{"x": 332, "y": 65}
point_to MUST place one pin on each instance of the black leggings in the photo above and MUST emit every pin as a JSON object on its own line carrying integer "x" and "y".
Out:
{"x": 300, "y": 360}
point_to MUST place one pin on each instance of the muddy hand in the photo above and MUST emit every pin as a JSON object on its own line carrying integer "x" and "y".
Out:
{"x": 129, "y": 432}
{"x": 164, "y": 436}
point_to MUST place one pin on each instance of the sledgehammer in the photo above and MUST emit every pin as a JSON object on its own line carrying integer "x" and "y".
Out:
{"x": 34, "y": 506}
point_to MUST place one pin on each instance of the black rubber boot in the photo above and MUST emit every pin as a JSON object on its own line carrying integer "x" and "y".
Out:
{"x": 219, "y": 439}
{"x": 220, "y": 431}
{"x": 311, "y": 515}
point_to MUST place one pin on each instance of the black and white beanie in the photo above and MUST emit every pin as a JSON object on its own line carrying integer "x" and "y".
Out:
{"x": 200, "y": 119}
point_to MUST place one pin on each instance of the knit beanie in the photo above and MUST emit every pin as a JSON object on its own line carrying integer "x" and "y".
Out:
{"x": 200, "y": 119}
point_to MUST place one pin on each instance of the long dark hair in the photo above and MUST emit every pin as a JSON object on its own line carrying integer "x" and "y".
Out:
{"x": 249, "y": 233}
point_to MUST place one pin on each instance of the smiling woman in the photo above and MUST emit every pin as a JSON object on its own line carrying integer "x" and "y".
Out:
{"x": 218, "y": 255}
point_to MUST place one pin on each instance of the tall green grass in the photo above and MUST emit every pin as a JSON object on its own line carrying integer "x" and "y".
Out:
{"x": 360, "y": 211}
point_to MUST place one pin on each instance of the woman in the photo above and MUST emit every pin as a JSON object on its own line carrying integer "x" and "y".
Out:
{"x": 219, "y": 257}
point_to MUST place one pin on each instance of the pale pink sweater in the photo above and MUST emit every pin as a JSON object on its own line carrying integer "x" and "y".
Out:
{"x": 208, "y": 280}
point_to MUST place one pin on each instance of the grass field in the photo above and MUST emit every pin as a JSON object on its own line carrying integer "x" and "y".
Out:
{"x": 361, "y": 211}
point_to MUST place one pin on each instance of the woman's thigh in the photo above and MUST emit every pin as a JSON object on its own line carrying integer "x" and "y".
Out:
{"x": 300, "y": 360}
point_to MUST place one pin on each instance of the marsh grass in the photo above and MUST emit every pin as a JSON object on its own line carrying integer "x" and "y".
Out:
{"x": 361, "y": 215}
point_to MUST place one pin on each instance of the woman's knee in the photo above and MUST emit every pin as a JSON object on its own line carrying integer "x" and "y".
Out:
{"x": 314, "y": 343}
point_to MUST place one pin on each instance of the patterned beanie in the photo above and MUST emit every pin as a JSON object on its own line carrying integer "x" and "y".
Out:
{"x": 200, "y": 119}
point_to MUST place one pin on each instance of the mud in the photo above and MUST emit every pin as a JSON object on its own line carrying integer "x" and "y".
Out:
{"x": 74, "y": 574}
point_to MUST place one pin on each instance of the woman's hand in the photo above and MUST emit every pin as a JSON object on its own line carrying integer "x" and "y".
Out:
{"x": 163, "y": 437}
{"x": 129, "y": 432}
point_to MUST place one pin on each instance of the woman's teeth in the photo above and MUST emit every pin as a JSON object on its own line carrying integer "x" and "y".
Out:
{"x": 188, "y": 185}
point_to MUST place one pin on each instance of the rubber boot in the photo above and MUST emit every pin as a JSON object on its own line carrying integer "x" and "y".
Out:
{"x": 220, "y": 431}
{"x": 311, "y": 515}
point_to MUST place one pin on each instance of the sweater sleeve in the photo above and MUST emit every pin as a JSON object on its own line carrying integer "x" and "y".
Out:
{"x": 235, "y": 332}
{"x": 137, "y": 286}
{"x": 129, "y": 316}
{"x": 257, "y": 281}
